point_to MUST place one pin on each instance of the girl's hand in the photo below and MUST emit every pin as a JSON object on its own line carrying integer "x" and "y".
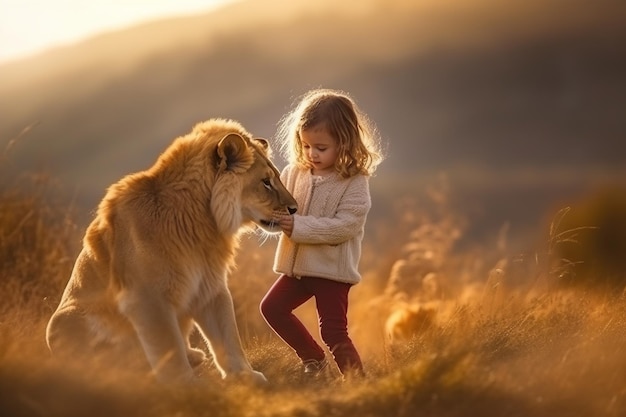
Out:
{"x": 285, "y": 221}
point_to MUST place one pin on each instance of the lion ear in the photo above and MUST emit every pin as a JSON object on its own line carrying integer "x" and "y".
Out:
{"x": 234, "y": 154}
{"x": 265, "y": 145}
{"x": 263, "y": 142}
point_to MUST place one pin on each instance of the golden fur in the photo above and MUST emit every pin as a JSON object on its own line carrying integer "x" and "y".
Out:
{"x": 156, "y": 257}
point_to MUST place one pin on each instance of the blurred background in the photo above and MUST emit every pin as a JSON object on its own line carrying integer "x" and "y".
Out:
{"x": 511, "y": 109}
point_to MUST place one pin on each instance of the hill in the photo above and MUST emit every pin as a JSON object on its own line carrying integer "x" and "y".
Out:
{"x": 515, "y": 99}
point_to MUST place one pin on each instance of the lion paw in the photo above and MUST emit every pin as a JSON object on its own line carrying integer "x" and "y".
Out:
{"x": 258, "y": 378}
{"x": 252, "y": 376}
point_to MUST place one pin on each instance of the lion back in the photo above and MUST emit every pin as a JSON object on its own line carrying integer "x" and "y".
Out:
{"x": 166, "y": 212}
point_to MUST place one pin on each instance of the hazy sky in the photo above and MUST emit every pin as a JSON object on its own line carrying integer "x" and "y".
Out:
{"x": 30, "y": 26}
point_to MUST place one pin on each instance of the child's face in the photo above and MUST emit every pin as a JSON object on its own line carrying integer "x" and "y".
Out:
{"x": 320, "y": 150}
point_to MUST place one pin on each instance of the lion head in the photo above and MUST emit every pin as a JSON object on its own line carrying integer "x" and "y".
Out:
{"x": 247, "y": 188}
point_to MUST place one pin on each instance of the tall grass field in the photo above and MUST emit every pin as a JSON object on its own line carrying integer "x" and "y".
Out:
{"x": 442, "y": 330}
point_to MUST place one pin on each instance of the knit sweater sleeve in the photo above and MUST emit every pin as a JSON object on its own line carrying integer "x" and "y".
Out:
{"x": 347, "y": 222}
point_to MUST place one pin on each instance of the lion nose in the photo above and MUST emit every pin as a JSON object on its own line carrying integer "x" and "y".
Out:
{"x": 292, "y": 210}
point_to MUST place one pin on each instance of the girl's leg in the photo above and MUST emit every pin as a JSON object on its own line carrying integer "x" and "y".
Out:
{"x": 331, "y": 299}
{"x": 277, "y": 307}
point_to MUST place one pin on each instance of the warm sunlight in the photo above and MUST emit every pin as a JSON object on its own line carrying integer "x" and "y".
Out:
{"x": 480, "y": 271}
{"x": 31, "y": 26}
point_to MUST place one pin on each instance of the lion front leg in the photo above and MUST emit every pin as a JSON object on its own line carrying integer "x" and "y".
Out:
{"x": 219, "y": 327}
{"x": 158, "y": 330}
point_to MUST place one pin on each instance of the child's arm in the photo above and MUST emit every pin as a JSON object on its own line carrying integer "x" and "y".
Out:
{"x": 344, "y": 225}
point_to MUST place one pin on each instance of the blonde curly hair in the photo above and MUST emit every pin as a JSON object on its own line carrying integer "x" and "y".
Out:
{"x": 337, "y": 113}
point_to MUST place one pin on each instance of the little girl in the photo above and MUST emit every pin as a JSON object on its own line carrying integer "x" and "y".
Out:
{"x": 332, "y": 149}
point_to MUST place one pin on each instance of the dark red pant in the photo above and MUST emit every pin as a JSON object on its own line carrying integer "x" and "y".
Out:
{"x": 331, "y": 300}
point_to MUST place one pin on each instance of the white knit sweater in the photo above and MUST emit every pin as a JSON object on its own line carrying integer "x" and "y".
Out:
{"x": 328, "y": 227}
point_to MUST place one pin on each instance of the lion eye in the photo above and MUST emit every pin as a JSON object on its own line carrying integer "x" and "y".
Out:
{"x": 267, "y": 183}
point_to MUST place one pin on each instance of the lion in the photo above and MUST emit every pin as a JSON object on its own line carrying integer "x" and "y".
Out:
{"x": 155, "y": 258}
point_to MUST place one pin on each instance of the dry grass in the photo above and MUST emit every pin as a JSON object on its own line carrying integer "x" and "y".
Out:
{"x": 521, "y": 347}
